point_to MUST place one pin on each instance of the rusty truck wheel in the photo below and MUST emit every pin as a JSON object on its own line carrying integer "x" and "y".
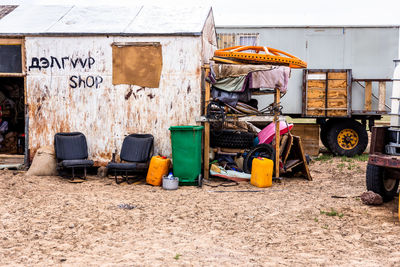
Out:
{"x": 347, "y": 137}
{"x": 378, "y": 181}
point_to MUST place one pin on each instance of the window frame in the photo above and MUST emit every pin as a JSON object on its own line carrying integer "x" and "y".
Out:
{"x": 15, "y": 41}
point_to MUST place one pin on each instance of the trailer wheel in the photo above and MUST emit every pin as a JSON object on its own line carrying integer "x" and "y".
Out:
{"x": 377, "y": 182}
{"x": 347, "y": 138}
{"x": 324, "y": 133}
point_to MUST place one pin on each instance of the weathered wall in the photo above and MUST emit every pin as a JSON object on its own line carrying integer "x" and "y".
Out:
{"x": 59, "y": 102}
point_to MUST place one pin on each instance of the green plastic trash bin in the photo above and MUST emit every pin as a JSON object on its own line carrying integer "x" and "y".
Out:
{"x": 186, "y": 153}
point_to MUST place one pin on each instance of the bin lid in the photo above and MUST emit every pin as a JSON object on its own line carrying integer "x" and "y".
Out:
{"x": 186, "y": 128}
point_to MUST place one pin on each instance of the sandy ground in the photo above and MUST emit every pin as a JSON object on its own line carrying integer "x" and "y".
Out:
{"x": 48, "y": 221}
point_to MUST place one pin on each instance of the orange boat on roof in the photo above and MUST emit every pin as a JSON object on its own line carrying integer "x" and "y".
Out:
{"x": 257, "y": 55}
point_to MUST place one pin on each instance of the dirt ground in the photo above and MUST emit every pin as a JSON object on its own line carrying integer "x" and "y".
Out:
{"x": 49, "y": 221}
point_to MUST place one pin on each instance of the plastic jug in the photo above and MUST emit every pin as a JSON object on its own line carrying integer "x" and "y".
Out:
{"x": 159, "y": 167}
{"x": 261, "y": 172}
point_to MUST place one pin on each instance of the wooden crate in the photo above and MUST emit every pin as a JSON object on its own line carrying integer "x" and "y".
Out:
{"x": 326, "y": 93}
{"x": 309, "y": 134}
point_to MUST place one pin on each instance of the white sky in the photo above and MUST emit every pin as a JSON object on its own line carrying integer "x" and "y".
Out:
{"x": 267, "y": 12}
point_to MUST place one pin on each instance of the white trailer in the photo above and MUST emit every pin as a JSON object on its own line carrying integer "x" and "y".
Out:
{"x": 349, "y": 75}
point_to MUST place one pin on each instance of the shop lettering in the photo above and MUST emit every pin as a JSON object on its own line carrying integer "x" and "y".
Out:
{"x": 75, "y": 81}
{"x": 89, "y": 81}
{"x": 61, "y": 63}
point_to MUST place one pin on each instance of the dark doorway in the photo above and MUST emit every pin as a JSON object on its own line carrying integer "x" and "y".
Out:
{"x": 12, "y": 115}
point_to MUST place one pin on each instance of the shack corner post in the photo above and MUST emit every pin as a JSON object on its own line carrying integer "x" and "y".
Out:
{"x": 206, "y": 140}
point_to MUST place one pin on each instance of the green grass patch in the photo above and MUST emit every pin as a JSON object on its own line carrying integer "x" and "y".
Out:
{"x": 362, "y": 157}
{"x": 341, "y": 165}
{"x": 324, "y": 157}
{"x": 346, "y": 159}
{"x": 177, "y": 256}
{"x": 332, "y": 213}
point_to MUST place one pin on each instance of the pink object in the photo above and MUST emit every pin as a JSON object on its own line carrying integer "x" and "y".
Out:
{"x": 268, "y": 133}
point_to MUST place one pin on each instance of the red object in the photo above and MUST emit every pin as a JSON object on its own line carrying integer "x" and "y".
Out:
{"x": 164, "y": 157}
{"x": 268, "y": 133}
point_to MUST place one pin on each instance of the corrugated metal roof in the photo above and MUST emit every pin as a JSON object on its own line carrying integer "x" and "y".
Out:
{"x": 123, "y": 20}
{"x": 5, "y": 10}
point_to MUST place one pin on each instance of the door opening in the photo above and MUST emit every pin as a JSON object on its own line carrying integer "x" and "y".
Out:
{"x": 12, "y": 120}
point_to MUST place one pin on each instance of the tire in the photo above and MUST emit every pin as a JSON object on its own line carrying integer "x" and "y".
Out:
{"x": 376, "y": 182}
{"x": 262, "y": 150}
{"x": 231, "y": 139}
{"x": 324, "y": 133}
{"x": 347, "y": 138}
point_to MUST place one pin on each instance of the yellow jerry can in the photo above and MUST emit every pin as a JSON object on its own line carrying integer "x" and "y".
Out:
{"x": 261, "y": 172}
{"x": 159, "y": 167}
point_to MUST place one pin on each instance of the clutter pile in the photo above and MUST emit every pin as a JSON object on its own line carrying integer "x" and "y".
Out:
{"x": 237, "y": 75}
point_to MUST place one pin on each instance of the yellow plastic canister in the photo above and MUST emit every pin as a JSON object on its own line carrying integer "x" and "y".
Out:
{"x": 261, "y": 172}
{"x": 159, "y": 167}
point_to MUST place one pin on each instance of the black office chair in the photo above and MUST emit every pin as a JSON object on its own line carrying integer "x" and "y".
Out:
{"x": 135, "y": 155}
{"x": 71, "y": 152}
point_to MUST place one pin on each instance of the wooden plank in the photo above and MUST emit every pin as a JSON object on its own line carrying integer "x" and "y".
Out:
{"x": 284, "y": 141}
{"x": 337, "y": 107}
{"x": 313, "y": 93}
{"x": 316, "y": 84}
{"x": 9, "y": 41}
{"x": 292, "y": 164}
{"x": 309, "y": 133}
{"x": 337, "y": 75}
{"x": 206, "y": 155}
{"x": 301, "y": 154}
{"x": 337, "y": 113}
{"x": 306, "y": 130}
{"x": 337, "y": 84}
{"x": 382, "y": 96}
{"x": 368, "y": 96}
{"x": 228, "y": 150}
{"x": 315, "y": 113}
{"x": 337, "y": 103}
{"x": 311, "y": 147}
{"x": 317, "y": 72}
{"x": 316, "y": 103}
{"x": 287, "y": 148}
{"x": 337, "y": 93}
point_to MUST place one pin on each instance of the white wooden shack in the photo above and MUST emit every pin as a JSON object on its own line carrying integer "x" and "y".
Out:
{"x": 109, "y": 71}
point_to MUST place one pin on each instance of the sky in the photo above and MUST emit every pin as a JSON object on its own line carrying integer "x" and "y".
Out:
{"x": 267, "y": 12}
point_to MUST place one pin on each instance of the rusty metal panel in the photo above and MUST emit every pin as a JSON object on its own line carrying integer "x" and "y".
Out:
{"x": 382, "y": 160}
{"x": 79, "y": 96}
{"x": 378, "y": 139}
